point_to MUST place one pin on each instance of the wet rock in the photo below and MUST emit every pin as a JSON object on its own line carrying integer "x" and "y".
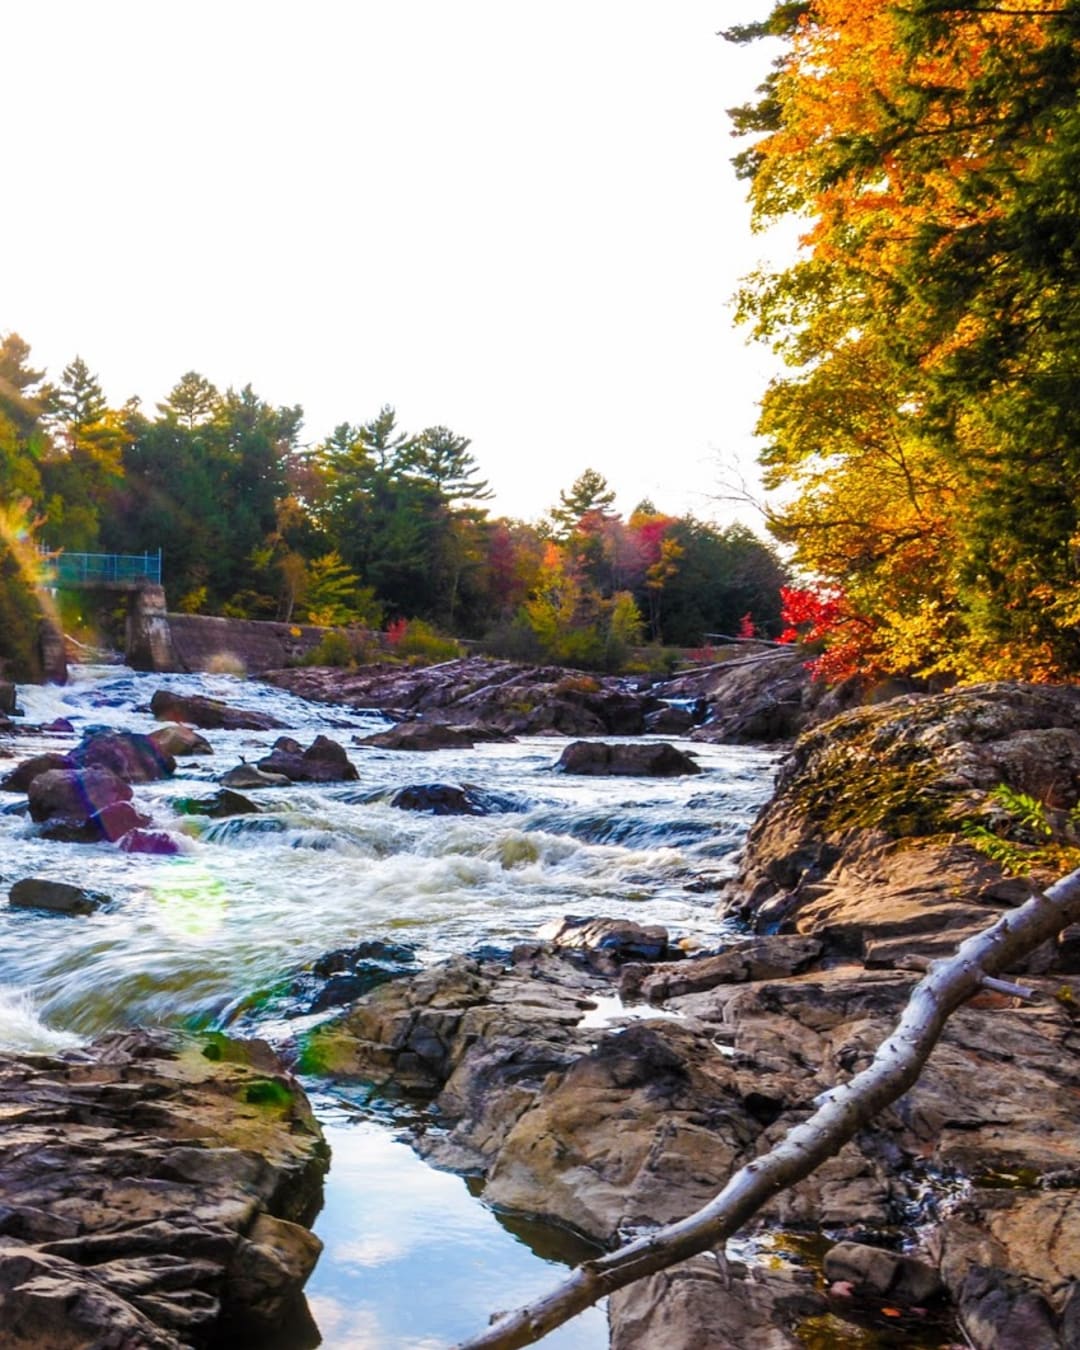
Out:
{"x": 180, "y": 741}
{"x": 324, "y": 761}
{"x": 20, "y": 778}
{"x": 610, "y": 943}
{"x": 109, "y": 824}
{"x": 439, "y": 799}
{"x": 1000, "y": 1312}
{"x": 130, "y": 755}
{"x": 149, "y": 841}
{"x": 344, "y": 975}
{"x": 152, "y": 1195}
{"x": 82, "y": 805}
{"x": 208, "y": 713}
{"x": 884, "y": 1273}
{"x": 219, "y": 805}
{"x": 56, "y": 896}
{"x": 392, "y": 954}
{"x": 644, "y": 760}
{"x": 7, "y": 697}
{"x": 251, "y": 776}
{"x": 670, "y": 720}
{"x": 433, "y": 736}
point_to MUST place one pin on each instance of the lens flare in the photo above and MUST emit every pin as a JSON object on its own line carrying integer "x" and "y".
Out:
{"x": 191, "y": 902}
{"x": 17, "y": 527}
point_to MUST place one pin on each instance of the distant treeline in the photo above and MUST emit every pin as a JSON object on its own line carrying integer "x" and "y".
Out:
{"x": 372, "y": 526}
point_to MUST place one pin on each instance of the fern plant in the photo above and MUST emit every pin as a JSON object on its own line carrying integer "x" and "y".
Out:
{"x": 1023, "y": 834}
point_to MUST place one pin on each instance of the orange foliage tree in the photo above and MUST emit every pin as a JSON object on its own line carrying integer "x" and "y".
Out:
{"x": 928, "y": 420}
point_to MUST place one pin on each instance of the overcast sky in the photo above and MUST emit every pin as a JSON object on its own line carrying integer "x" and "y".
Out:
{"x": 519, "y": 221}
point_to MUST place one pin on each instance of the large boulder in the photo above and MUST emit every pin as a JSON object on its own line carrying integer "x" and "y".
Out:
{"x": 130, "y": 755}
{"x": 646, "y": 759}
{"x": 154, "y": 1193}
{"x": 82, "y": 805}
{"x": 864, "y": 843}
{"x": 208, "y": 713}
{"x": 324, "y": 761}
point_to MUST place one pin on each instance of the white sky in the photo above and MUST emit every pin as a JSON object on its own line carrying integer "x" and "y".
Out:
{"x": 516, "y": 220}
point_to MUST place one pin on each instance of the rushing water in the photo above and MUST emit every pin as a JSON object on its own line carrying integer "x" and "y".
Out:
{"x": 207, "y": 934}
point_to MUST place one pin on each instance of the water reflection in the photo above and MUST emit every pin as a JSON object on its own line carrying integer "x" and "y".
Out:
{"x": 412, "y": 1262}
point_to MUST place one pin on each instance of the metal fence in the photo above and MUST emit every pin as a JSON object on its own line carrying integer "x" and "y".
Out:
{"x": 101, "y": 569}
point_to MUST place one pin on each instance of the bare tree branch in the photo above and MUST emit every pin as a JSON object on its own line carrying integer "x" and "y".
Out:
{"x": 841, "y": 1113}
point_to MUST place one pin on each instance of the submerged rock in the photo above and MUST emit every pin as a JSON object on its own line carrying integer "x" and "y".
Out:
{"x": 152, "y": 1195}
{"x": 440, "y": 799}
{"x": 635, "y": 759}
{"x": 149, "y": 841}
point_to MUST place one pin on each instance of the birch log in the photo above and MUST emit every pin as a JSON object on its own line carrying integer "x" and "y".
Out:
{"x": 841, "y": 1113}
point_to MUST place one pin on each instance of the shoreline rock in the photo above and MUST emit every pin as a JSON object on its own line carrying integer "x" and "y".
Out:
{"x": 155, "y": 1191}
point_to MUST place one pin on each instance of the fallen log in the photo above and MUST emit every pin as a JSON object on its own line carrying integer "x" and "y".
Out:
{"x": 841, "y": 1112}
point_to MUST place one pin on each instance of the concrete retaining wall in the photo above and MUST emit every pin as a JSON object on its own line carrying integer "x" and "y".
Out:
{"x": 248, "y": 646}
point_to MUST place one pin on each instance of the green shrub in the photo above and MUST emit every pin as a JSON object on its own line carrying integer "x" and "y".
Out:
{"x": 334, "y": 649}
{"x": 418, "y": 640}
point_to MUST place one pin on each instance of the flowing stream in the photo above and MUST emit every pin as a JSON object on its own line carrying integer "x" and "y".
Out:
{"x": 209, "y": 936}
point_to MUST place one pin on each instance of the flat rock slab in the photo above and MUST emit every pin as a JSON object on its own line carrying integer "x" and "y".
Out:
{"x": 209, "y": 713}
{"x": 154, "y": 1192}
{"x": 432, "y": 736}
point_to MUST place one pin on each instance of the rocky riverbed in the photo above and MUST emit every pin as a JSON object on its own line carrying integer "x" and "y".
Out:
{"x": 601, "y": 1078}
{"x": 956, "y": 1214}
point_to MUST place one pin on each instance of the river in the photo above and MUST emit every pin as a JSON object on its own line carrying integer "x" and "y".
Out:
{"x": 212, "y": 937}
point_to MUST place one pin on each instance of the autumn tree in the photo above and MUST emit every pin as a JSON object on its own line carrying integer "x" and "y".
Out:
{"x": 929, "y": 419}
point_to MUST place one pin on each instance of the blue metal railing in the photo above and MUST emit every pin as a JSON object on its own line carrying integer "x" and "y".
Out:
{"x": 100, "y": 569}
